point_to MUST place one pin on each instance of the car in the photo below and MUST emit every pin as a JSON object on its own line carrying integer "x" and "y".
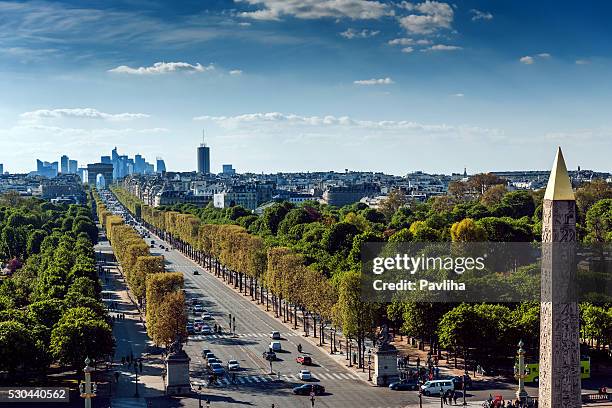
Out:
{"x": 217, "y": 368}
{"x": 214, "y": 360}
{"x": 305, "y": 375}
{"x": 198, "y": 307}
{"x": 434, "y": 387}
{"x": 275, "y": 335}
{"x": 304, "y": 360}
{"x": 167, "y": 250}
{"x": 152, "y": 245}
{"x": 269, "y": 355}
{"x": 161, "y": 247}
{"x": 208, "y": 356}
{"x": 458, "y": 382}
{"x": 406, "y": 385}
{"x": 233, "y": 365}
{"x": 195, "y": 302}
{"x": 198, "y": 323}
{"x": 275, "y": 346}
{"x": 206, "y": 329}
{"x": 205, "y": 352}
{"x": 191, "y": 329}
{"x": 196, "y": 272}
{"x": 306, "y": 389}
{"x": 206, "y": 316}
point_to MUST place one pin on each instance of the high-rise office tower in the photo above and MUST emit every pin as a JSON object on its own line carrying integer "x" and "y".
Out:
{"x": 73, "y": 166}
{"x": 161, "y": 165}
{"x": 64, "y": 164}
{"x": 1, "y": 168}
{"x": 203, "y": 158}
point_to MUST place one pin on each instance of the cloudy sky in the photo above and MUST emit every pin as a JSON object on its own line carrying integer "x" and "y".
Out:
{"x": 298, "y": 85}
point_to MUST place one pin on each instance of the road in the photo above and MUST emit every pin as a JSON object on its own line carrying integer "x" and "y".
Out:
{"x": 254, "y": 385}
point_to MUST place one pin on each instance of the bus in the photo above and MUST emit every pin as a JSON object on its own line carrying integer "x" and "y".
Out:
{"x": 532, "y": 373}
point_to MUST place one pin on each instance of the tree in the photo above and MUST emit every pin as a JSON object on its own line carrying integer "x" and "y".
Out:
{"x": 339, "y": 237}
{"x": 395, "y": 200}
{"x": 170, "y": 319}
{"x": 599, "y": 222}
{"x": 468, "y": 231}
{"x": 80, "y": 333}
{"x": 494, "y": 195}
{"x": 520, "y": 202}
{"x": 17, "y": 346}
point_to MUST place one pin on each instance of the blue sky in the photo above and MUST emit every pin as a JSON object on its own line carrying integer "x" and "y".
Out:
{"x": 298, "y": 85}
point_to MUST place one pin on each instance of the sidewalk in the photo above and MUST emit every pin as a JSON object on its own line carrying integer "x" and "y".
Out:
{"x": 130, "y": 337}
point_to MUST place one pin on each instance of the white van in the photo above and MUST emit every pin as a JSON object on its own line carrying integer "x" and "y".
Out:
{"x": 433, "y": 387}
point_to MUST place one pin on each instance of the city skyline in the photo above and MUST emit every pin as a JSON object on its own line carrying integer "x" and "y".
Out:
{"x": 286, "y": 86}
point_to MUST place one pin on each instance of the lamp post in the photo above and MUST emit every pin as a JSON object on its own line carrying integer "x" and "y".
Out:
{"x": 369, "y": 366}
{"x": 200, "y": 396}
{"x": 521, "y": 393}
{"x": 87, "y": 390}
{"x": 137, "y": 364}
{"x": 463, "y": 386}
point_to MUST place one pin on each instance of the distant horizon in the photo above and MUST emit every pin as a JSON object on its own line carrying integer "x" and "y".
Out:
{"x": 239, "y": 171}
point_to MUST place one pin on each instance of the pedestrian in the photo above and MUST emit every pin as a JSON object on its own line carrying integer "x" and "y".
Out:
{"x": 444, "y": 395}
{"x": 418, "y": 363}
{"x": 123, "y": 360}
{"x": 455, "y": 395}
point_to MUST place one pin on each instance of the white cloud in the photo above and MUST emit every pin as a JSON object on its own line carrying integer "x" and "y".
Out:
{"x": 480, "y": 15}
{"x": 433, "y": 17}
{"x": 79, "y": 113}
{"x": 409, "y": 41}
{"x": 374, "y": 81}
{"x": 529, "y": 60}
{"x": 407, "y": 50}
{"x": 351, "y": 33}
{"x": 279, "y": 123}
{"x": 235, "y": 72}
{"x": 582, "y": 62}
{"x": 458, "y": 95}
{"x": 314, "y": 9}
{"x": 442, "y": 47}
{"x": 162, "y": 68}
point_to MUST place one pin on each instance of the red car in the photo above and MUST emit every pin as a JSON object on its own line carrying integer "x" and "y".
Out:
{"x": 304, "y": 360}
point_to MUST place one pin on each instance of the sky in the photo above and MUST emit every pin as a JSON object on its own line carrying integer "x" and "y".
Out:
{"x": 308, "y": 85}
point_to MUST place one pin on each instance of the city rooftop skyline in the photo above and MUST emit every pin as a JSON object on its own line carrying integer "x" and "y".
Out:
{"x": 309, "y": 85}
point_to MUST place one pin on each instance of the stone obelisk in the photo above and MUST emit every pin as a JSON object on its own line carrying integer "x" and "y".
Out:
{"x": 559, "y": 341}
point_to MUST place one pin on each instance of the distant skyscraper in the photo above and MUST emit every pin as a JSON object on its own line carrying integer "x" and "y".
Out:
{"x": 64, "y": 164}
{"x": 73, "y": 166}
{"x": 106, "y": 160}
{"x": 203, "y": 158}
{"x": 1, "y": 168}
{"x": 46, "y": 169}
{"x": 161, "y": 165}
{"x": 228, "y": 169}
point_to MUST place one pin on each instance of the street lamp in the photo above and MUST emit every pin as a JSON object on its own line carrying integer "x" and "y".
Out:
{"x": 88, "y": 391}
{"x": 137, "y": 364}
{"x": 521, "y": 393}
{"x": 200, "y": 396}
{"x": 369, "y": 366}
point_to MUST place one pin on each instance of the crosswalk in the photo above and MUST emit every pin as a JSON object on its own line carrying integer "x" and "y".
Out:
{"x": 128, "y": 403}
{"x": 239, "y": 335}
{"x": 255, "y": 379}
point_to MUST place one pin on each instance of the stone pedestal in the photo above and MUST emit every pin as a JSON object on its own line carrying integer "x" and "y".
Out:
{"x": 385, "y": 366}
{"x": 177, "y": 373}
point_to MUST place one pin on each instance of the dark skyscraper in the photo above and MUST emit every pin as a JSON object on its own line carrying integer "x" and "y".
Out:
{"x": 64, "y": 164}
{"x": 203, "y": 159}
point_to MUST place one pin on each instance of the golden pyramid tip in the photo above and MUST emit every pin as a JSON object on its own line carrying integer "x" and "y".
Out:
{"x": 559, "y": 184}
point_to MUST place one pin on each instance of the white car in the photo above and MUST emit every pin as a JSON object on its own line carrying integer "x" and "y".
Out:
{"x": 275, "y": 335}
{"x": 275, "y": 346}
{"x": 305, "y": 375}
{"x": 233, "y": 365}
